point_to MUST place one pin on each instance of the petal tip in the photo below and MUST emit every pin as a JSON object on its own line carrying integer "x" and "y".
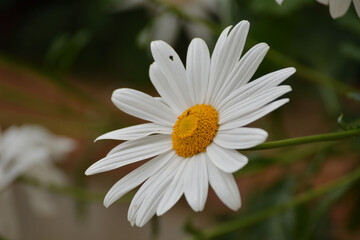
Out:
{"x": 160, "y": 212}
{"x": 292, "y": 69}
{"x": 116, "y": 94}
{"x": 245, "y": 23}
{"x": 107, "y": 202}
{"x": 89, "y": 171}
{"x": 154, "y": 45}
{"x": 266, "y": 46}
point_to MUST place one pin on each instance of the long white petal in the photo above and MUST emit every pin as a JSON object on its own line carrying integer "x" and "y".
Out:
{"x": 226, "y": 54}
{"x": 247, "y": 105}
{"x": 265, "y": 82}
{"x": 240, "y": 138}
{"x": 338, "y": 7}
{"x": 167, "y": 88}
{"x": 146, "y": 200}
{"x": 174, "y": 191}
{"x": 196, "y": 182}
{"x": 224, "y": 186}
{"x": 173, "y": 69}
{"x": 142, "y": 193}
{"x": 249, "y": 117}
{"x": 243, "y": 71}
{"x": 143, "y": 106}
{"x": 132, "y": 151}
{"x": 216, "y": 55}
{"x": 227, "y": 160}
{"x": 136, "y": 132}
{"x": 136, "y": 177}
{"x": 197, "y": 69}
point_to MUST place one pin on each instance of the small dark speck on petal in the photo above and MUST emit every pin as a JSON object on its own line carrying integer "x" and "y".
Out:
{"x": 171, "y": 58}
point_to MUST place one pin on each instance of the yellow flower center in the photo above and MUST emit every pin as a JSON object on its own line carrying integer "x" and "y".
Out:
{"x": 194, "y": 130}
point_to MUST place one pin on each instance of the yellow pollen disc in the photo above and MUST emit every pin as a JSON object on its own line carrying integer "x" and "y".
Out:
{"x": 194, "y": 130}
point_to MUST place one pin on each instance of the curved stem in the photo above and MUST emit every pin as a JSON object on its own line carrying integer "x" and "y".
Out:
{"x": 308, "y": 139}
{"x": 246, "y": 221}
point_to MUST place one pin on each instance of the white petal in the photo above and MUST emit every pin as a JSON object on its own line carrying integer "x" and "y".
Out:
{"x": 249, "y": 104}
{"x": 216, "y": 57}
{"x": 227, "y": 160}
{"x": 197, "y": 69}
{"x": 240, "y": 138}
{"x": 132, "y": 151}
{"x": 263, "y": 83}
{"x": 279, "y": 2}
{"x": 226, "y": 54}
{"x": 136, "y": 177}
{"x": 146, "y": 200}
{"x": 250, "y": 117}
{"x": 224, "y": 186}
{"x": 23, "y": 162}
{"x": 174, "y": 191}
{"x": 196, "y": 182}
{"x": 143, "y": 106}
{"x": 338, "y": 7}
{"x": 357, "y": 7}
{"x": 243, "y": 71}
{"x": 168, "y": 89}
{"x": 115, "y": 149}
{"x": 171, "y": 66}
{"x": 136, "y": 132}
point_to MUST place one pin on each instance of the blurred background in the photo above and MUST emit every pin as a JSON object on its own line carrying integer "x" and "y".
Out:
{"x": 61, "y": 60}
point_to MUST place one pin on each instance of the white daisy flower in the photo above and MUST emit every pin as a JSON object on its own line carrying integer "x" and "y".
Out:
{"x": 195, "y": 126}
{"x": 32, "y": 150}
{"x": 339, "y": 7}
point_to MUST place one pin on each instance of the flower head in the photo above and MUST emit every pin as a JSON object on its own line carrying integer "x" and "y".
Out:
{"x": 27, "y": 148}
{"x": 195, "y": 126}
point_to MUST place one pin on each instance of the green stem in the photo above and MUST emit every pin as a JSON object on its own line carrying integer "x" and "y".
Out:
{"x": 82, "y": 194}
{"x": 308, "y": 139}
{"x": 154, "y": 228}
{"x": 280, "y": 208}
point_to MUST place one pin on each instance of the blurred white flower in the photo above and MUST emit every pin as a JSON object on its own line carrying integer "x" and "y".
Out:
{"x": 279, "y": 1}
{"x": 194, "y": 127}
{"x": 32, "y": 150}
{"x": 166, "y": 24}
{"x": 339, "y": 7}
